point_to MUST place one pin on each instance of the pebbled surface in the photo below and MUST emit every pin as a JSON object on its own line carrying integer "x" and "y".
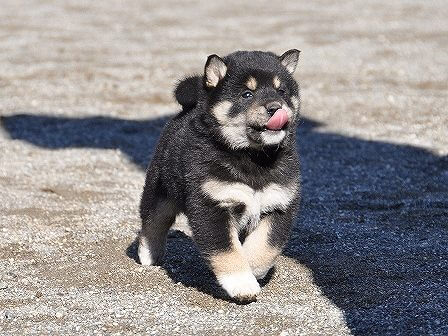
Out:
{"x": 85, "y": 88}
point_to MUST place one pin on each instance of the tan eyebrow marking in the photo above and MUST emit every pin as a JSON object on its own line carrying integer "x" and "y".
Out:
{"x": 251, "y": 83}
{"x": 276, "y": 82}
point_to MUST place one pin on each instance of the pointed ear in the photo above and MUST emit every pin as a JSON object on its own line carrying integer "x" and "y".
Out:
{"x": 214, "y": 71}
{"x": 290, "y": 59}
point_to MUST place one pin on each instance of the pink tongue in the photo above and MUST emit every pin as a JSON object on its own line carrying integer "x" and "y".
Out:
{"x": 278, "y": 120}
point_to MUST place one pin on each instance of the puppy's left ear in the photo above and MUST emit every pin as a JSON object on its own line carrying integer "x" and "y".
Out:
{"x": 290, "y": 59}
{"x": 215, "y": 70}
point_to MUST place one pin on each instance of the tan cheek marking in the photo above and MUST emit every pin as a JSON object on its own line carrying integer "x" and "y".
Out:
{"x": 251, "y": 83}
{"x": 232, "y": 129}
{"x": 276, "y": 82}
{"x": 221, "y": 110}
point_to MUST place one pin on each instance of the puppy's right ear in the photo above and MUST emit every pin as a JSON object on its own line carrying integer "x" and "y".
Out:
{"x": 215, "y": 70}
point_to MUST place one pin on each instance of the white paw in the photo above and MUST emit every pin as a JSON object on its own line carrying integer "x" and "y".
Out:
{"x": 241, "y": 285}
{"x": 144, "y": 253}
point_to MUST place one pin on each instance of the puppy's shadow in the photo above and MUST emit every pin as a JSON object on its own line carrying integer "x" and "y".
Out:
{"x": 183, "y": 263}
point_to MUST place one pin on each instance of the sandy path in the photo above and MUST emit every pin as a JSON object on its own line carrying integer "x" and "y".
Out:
{"x": 84, "y": 91}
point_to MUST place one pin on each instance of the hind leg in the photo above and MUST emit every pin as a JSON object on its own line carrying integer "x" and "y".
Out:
{"x": 157, "y": 220}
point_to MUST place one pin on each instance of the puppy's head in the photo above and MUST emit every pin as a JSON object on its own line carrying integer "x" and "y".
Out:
{"x": 253, "y": 97}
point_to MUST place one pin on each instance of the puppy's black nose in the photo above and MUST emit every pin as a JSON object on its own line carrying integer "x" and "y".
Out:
{"x": 272, "y": 107}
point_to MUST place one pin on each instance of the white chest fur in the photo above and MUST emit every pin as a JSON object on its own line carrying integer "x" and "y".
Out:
{"x": 272, "y": 197}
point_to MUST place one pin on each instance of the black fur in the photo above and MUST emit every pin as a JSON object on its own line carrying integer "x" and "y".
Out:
{"x": 192, "y": 149}
{"x": 186, "y": 92}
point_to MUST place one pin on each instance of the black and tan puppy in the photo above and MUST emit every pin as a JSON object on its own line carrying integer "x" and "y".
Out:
{"x": 229, "y": 162}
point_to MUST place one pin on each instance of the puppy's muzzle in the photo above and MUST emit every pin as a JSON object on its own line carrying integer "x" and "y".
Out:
{"x": 272, "y": 107}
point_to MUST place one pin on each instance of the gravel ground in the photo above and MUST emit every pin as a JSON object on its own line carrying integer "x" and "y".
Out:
{"x": 85, "y": 88}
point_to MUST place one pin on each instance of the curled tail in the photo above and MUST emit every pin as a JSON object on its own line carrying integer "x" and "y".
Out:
{"x": 187, "y": 92}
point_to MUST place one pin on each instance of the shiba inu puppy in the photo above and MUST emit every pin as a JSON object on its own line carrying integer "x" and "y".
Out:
{"x": 228, "y": 161}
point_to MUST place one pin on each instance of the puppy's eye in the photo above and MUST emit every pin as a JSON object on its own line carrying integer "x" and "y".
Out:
{"x": 281, "y": 92}
{"x": 247, "y": 94}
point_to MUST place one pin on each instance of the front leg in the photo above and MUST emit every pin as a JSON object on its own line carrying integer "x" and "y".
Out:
{"x": 233, "y": 271}
{"x": 215, "y": 233}
{"x": 265, "y": 243}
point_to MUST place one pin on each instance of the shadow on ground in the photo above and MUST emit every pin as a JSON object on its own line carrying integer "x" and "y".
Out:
{"x": 135, "y": 138}
{"x": 373, "y": 224}
{"x": 184, "y": 264}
